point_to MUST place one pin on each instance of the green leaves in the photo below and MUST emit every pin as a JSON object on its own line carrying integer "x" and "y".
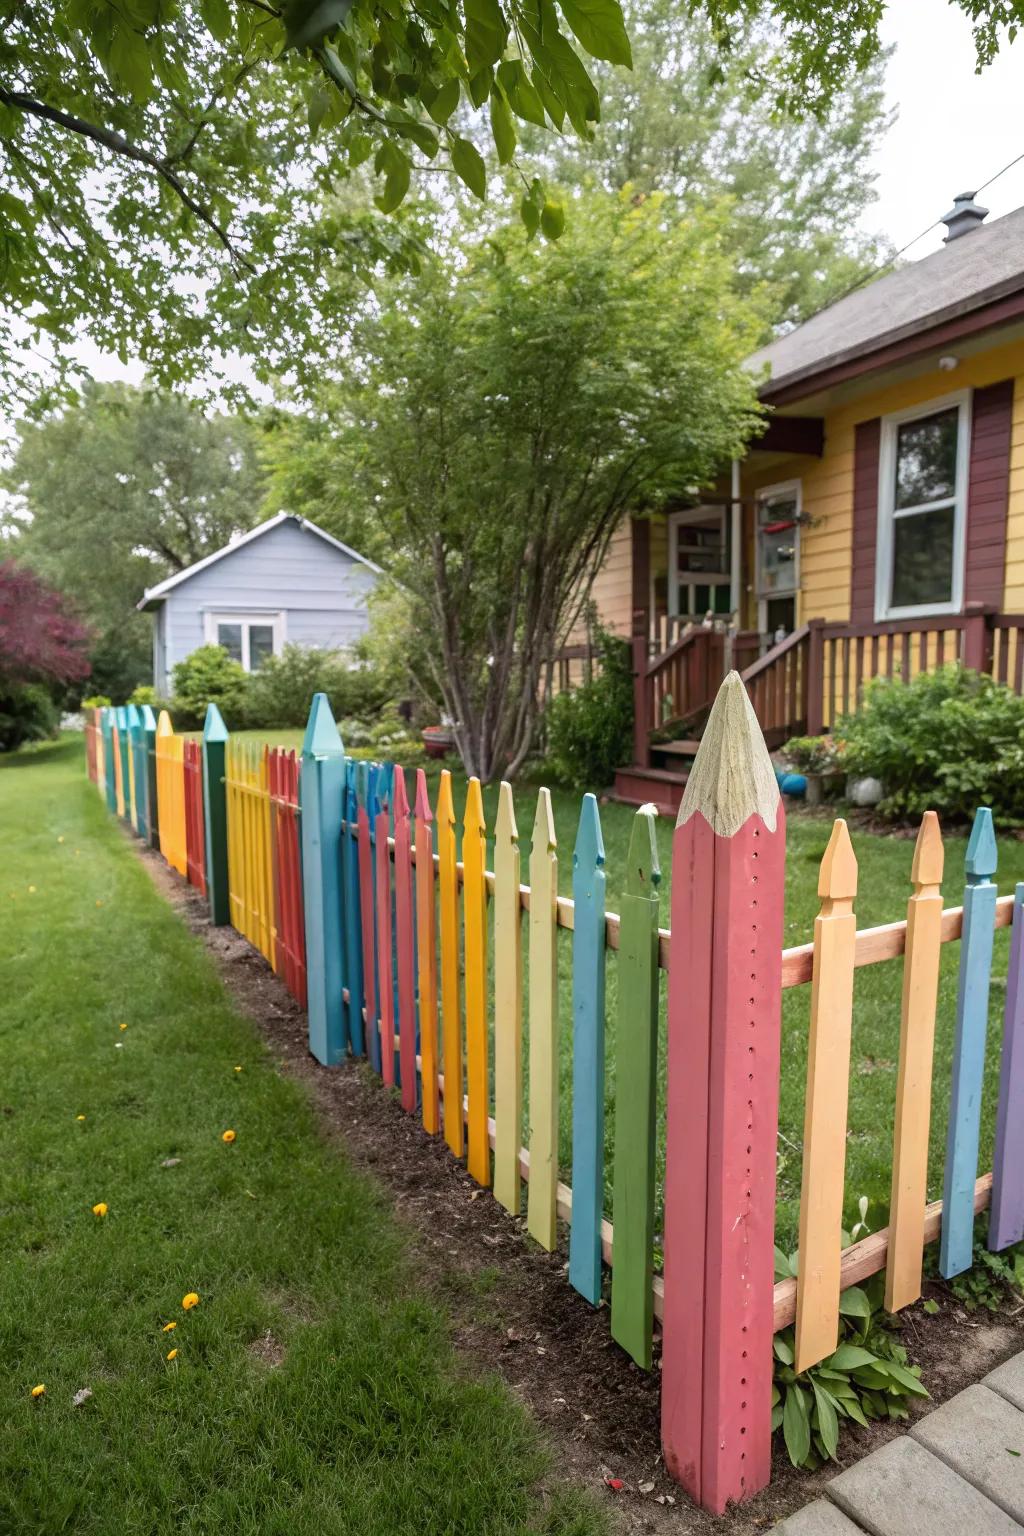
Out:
{"x": 308, "y": 22}
{"x": 130, "y": 62}
{"x": 445, "y": 102}
{"x": 486, "y": 33}
{"x": 552, "y": 220}
{"x": 502, "y": 127}
{"x": 394, "y": 165}
{"x": 468, "y": 165}
{"x": 217, "y": 16}
{"x": 599, "y": 26}
{"x": 796, "y": 1424}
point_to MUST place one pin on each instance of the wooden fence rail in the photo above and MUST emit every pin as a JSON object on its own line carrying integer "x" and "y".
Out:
{"x": 399, "y": 972}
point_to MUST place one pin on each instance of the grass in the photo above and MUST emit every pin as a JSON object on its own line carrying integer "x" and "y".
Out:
{"x": 884, "y": 885}
{"x": 365, "y": 1425}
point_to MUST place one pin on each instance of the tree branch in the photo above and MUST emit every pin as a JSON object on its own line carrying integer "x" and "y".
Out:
{"x": 119, "y": 145}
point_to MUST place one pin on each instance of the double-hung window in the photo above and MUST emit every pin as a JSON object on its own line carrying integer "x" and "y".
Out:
{"x": 248, "y": 638}
{"x": 922, "y": 509}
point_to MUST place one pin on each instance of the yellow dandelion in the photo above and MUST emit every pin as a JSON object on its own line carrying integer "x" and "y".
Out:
{"x": 60, "y": 839}
{"x": 99, "y": 903}
{"x": 38, "y": 1391}
{"x": 172, "y": 1354}
{"x": 238, "y": 1069}
{"x": 31, "y": 890}
{"x": 228, "y": 1136}
{"x": 100, "y": 1209}
{"x": 168, "y": 1327}
{"x": 122, "y": 1026}
{"x": 190, "y": 1301}
{"x": 79, "y": 1117}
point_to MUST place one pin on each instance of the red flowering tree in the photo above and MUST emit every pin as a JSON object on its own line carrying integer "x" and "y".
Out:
{"x": 39, "y": 641}
{"x": 42, "y": 649}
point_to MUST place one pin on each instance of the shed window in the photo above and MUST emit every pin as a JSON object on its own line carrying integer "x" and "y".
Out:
{"x": 247, "y": 638}
{"x": 922, "y": 511}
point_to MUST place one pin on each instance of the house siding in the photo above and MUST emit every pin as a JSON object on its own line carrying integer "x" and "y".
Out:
{"x": 322, "y": 592}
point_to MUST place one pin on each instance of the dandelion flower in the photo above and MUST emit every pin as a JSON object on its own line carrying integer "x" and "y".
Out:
{"x": 168, "y": 1327}
{"x": 238, "y": 1069}
{"x": 38, "y": 1391}
{"x": 60, "y": 839}
{"x": 31, "y": 890}
{"x": 99, "y": 903}
{"x": 122, "y": 1026}
{"x": 228, "y": 1136}
{"x": 190, "y": 1301}
{"x": 79, "y": 1117}
{"x": 172, "y": 1354}
{"x": 100, "y": 1209}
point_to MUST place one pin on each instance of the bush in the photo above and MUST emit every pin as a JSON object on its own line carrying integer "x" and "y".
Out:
{"x": 947, "y": 741}
{"x": 813, "y": 754}
{"x": 590, "y": 729}
{"x": 209, "y": 676}
{"x": 387, "y": 737}
{"x": 96, "y": 701}
{"x": 280, "y": 692}
{"x": 27, "y": 713}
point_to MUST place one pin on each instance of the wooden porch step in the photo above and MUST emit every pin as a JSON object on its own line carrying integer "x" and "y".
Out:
{"x": 682, "y": 748}
{"x": 637, "y": 785}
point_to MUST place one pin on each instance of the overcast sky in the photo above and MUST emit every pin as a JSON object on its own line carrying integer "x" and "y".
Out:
{"x": 955, "y": 129}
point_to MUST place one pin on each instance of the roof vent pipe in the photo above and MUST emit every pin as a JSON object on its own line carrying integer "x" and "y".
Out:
{"x": 964, "y": 216}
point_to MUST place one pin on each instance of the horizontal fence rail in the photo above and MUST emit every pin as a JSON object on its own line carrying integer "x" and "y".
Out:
{"x": 346, "y": 878}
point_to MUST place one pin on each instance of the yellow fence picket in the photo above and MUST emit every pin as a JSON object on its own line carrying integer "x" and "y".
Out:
{"x": 540, "y": 1215}
{"x": 508, "y": 1006}
{"x": 474, "y": 898}
{"x": 825, "y": 1107}
{"x": 914, "y": 1079}
{"x": 170, "y": 767}
{"x": 448, "y": 913}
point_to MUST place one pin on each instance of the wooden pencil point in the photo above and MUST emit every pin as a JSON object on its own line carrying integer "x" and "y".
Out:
{"x": 929, "y": 856}
{"x": 732, "y": 777}
{"x": 837, "y": 876}
{"x": 982, "y": 855}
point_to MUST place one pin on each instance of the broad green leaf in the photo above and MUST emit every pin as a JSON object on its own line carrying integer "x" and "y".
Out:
{"x": 469, "y": 166}
{"x": 502, "y": 127}
{"x": 796, "y": 1425}
{"x": 486, "y": 33}
{"x": 445, "y": 102}
{"x": 316, "y": 107}
{"x": 554, "y": 108}
{"x": 599, "y": 26}
{"x": 782, "y": 1267}
{"x": 552, "y": 220}
{"x": 776, "y": 1417}
{"x": 907, "y": 1380}
{"x": 394, "y": 164}
{"x": 523, "y": 96}
{"x": 828, "y": 1424}
{"x": 131, "y": 63}
{"x": 854, "y": 1303}
{"x": 216, "y": 15}
{"x": 360, "y": 147}
{"x": 849, "y": 1356}
{"x": 308, "y": 22}
{"x": 782, "y": 1350}
{"x": 480, "y": 86}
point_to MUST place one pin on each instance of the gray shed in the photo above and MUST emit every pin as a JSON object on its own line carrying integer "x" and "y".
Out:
{"x": 286, "y": 581}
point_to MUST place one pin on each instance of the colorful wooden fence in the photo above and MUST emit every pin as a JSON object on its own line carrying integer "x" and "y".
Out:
{"x": 399, "y": 970}
{"x": 195, "y": 829}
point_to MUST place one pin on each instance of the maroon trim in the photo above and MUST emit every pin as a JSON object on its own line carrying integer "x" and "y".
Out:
{"x": 866, "y": 445}
{"x": 792, "y": 434}
{"x": 988, "y": 493}
{"x": 985, "y": 318}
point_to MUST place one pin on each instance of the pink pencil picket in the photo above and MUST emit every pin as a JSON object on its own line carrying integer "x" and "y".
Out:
{"x": 405, "y": 942}
{"x": 426, "y": 955}
{"x": 385, "y": 944}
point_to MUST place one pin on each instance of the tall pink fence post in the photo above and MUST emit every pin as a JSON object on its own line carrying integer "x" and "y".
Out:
{"x": 724, "y": 1016}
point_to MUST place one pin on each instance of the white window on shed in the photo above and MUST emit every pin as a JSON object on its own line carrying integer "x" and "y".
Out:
{"x": 248, "y": 638}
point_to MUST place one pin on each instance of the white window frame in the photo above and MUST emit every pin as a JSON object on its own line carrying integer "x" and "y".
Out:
{"x": 887, "y": 513}
{"x": 676, "y": 520}
{"x": 793, "y": 489}
{"x": 275, "y": 618}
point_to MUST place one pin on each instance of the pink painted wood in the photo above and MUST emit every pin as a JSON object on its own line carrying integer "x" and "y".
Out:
{"x": 405, "y": 943}
{"x": 366, "y": 910}
{"x": 426, "y": 926}
{"x": 385, "y": 946}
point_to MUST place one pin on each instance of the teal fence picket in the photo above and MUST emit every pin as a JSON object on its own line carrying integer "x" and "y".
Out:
{"x": 321, "y": 778}
{"x": 588, "y": 968}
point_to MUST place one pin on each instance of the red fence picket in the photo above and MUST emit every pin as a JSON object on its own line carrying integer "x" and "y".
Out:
{"x": 290, "y": 954}
{"x": 195, "y": 828}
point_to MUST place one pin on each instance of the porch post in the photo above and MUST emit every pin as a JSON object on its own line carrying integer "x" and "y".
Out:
{"x": 735, "y": 547}
{"x": 977, "y": 643}
{"x": 814, "y": 679}
{"x": 640, "y": 532}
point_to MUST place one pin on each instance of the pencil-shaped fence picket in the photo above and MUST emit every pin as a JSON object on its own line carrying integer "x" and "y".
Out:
{"x": 445, "y": 972}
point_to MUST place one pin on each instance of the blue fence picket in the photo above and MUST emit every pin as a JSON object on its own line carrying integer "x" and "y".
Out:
{"x": 957, "y": 1243}
{"x": 321, "y": 777}
{"x": 588, "y": 968}
{"x": 1006, "y": 1218}
{"x": 352, "y": 937}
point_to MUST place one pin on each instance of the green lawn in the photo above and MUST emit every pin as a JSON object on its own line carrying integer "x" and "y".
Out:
{"x": 366, "y": 1426}
{"x": 883, "y": 891}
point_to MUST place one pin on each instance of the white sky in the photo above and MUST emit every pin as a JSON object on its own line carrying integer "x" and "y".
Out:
{"x": 955, "y": 129}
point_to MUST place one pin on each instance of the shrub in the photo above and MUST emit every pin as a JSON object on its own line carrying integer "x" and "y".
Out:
{"x": 387, "y": 737}
{"x": 96, "y": 701}
{"x": 280, "y": 692}
{"x": 145, "y": 693}
{"x": 948, "y": 741}
{"x": 27, "y": 713}
{"x": 209, "y": 676}
{"x": 590, "y": 729}
{"x": 813, "y": 754}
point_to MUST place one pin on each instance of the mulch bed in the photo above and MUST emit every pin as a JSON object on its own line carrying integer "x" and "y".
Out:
{"x": 514, "y": 1311}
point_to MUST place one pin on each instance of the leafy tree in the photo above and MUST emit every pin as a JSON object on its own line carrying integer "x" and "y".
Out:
{"x": 176, "y": 176}
{"x": 499, "y": 416}
{"x": 42, "y": 651}
{"x": 116, "y": 491}
{"x": 698, "y": 124}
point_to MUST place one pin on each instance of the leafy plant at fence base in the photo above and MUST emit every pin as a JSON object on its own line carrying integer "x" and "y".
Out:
{"x": 992, "y": 1280}
{"x": 867, "y": 1377}
{"x": 948, "y": 740}
{"x": 589, "y": 728}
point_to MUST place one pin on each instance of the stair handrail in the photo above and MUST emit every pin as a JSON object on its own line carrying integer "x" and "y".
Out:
{"x": 778, "y": 649}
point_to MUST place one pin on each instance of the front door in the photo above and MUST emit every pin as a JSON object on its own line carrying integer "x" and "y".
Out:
{"x": 698, "y": 563}
{"x": 778, "y": 560}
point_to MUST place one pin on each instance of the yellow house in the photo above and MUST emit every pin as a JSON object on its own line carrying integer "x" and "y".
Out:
{"x": 877, "y": 526}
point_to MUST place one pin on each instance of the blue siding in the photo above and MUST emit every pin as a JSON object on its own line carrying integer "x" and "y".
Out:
{"x": 321, "y": 590}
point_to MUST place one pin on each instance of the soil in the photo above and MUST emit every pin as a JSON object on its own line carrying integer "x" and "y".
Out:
{"x": 513, "y": 1309}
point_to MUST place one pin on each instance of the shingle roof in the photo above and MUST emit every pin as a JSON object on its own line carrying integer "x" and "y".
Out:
{"x": 975, "y": 269}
